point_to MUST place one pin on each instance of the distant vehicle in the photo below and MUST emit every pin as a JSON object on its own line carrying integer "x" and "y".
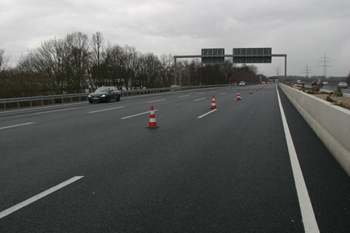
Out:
{"x": 104, "y": 94}
{"x": 316, "y": 83}
{"x": 241, "y": 83}
{"x": 325, "y": 83}
{"x": 343, "y": 85}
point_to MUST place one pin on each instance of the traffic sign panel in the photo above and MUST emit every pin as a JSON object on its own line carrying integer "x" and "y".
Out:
{"x": 252, "y": 55}
{"x": 213, "y": 56}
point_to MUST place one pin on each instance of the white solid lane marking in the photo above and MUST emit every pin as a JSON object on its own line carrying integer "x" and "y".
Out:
{"x": 12, "y": 126}
{"x": 199, "y": 99}
{"x": 208, "y": 113}
{"x": 183, "y": 96}
{"x": 38, "y": 196}
{"x": 307, "y": 212}
{"x": 155, "y": 101}
{"x": 107, "y": 109}
{"x": 137, "y": 114}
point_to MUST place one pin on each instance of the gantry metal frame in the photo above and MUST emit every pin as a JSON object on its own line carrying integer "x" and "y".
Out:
{"x": 233, "y": 56}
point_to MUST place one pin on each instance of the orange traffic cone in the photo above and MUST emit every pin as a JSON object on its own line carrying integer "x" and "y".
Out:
{"x": 250, "y": 91}
{"x": 238, "y": 96}
{"x": 152, "y": 119}
{"x": 213, "y": 105}
{"x": 256, "y": 89}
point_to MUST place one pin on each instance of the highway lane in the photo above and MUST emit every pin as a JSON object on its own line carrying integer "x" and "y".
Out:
{"x": 331, "y": 87}
{"x": 228, "y": 171}
{"x": 334, "y": 88}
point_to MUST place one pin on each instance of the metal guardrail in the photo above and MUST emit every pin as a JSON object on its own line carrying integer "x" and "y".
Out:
{"x": 54, "y": 98}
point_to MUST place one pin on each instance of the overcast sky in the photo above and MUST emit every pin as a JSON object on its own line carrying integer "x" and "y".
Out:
{"x": 305, "y": 30}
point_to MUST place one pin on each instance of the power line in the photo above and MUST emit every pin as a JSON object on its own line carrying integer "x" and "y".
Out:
{"x": 325, "y": 62}
{"x": 278, "y": 70}
{"x": 307, "y": 70}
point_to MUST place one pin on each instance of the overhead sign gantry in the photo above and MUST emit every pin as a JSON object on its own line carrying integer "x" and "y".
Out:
{"x": 239, "y": 55}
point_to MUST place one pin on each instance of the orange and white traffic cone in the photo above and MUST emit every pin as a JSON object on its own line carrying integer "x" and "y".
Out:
{"x": 213, "y": 104}
{"x": 250, "y": 91}
{"x": 256, "y": 89}
{"x": 152, "y": 119}
{"x": 238, "y": 96}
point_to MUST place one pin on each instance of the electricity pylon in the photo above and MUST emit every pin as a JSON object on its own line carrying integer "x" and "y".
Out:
{"x": 325, "y": 62}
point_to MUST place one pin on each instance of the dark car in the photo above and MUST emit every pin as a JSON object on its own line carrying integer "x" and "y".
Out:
{"x": 104, "y": 94}
{"x": 317, "y": 83}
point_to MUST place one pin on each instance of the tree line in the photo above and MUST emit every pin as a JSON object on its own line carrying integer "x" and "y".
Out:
{"x": 77, "y": 64}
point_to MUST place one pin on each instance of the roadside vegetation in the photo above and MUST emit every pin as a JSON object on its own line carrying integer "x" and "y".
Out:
{"x": 77, "y": 64}
{"x": 333, "y": 97}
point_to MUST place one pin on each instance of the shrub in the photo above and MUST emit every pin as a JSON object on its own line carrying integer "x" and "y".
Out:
{"x": 316, "y": 88}
{"x": 338, "y": 93}
{"x": 330, "y": 99}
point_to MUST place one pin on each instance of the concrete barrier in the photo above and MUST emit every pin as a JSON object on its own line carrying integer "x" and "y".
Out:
{"x": 331, "y": 123}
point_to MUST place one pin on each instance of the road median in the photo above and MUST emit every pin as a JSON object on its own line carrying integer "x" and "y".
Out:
{"x": 331, "y": 123}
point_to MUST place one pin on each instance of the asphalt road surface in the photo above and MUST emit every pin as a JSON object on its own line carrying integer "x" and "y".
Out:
{"x": 97, "y": 167}
{"x": 332, "y": 87}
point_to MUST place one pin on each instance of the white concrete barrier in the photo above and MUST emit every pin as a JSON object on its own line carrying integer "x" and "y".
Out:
{"x": 331, "y": 123}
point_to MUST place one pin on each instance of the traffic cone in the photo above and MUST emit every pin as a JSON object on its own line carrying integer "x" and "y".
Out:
{"x": 238, "y": 96}
{"x": 250, "y": 91}
{"x": 152, "y": 119}
{"x": 256, "y": 89}
{"x": 213, "y": 105}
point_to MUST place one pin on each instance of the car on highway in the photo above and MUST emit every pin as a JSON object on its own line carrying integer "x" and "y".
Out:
{"x": 241, "y": 83}
{"x": 315, "y": 83}
{"x": 104, "y": 94}
{"x": 343, "y": 85}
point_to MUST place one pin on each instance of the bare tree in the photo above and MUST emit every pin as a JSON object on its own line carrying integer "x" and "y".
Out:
{"x": 60, "y": 65}
{"x": 149, "y": 74}
{"x": 98, "y": 57}
{"x": 167, "y": 68}
{"x": 115, "y": 65}
{"x": 3, "y": 67}
{"x": 132, "y": 66}
{"x": 77, "y": 62}
{"x": 348, "y": 79}
{"x": 46, "y": 63}
{"x": 3, "y": 60}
